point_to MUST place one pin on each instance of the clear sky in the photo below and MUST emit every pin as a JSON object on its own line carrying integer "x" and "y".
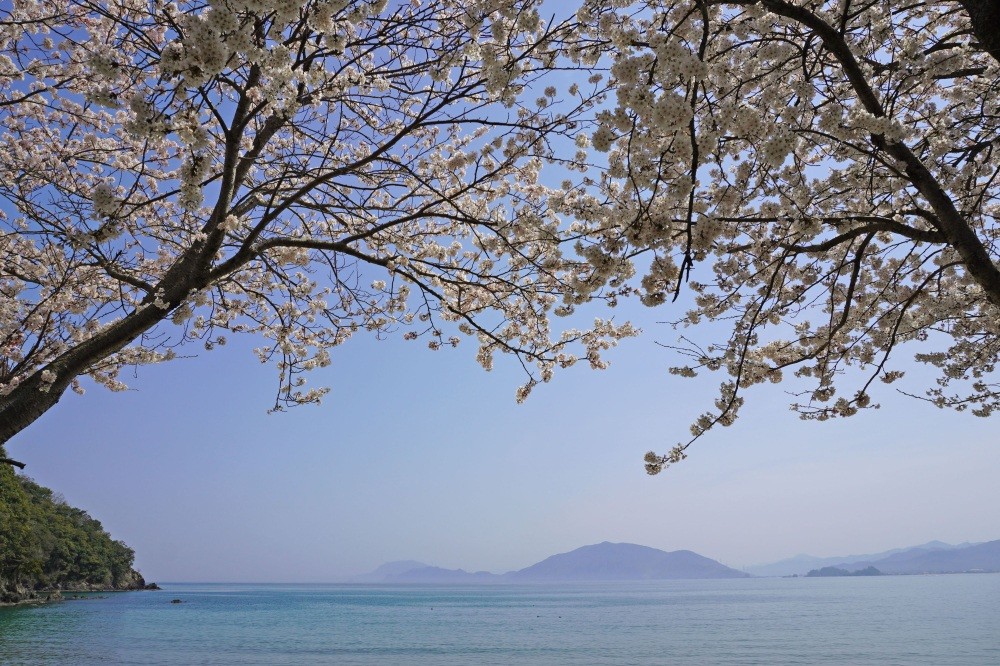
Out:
{"x": 423, "y": 455}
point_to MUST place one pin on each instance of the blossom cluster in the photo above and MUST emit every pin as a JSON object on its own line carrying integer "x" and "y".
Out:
{"x": 301, "y": 170}
{"x": 821, "y": 178}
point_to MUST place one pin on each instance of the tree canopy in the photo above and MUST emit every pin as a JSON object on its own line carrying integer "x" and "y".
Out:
{"x": 824, "y": 178}
{"x": 818, "y": 177}
{"x": 302, "y": 171}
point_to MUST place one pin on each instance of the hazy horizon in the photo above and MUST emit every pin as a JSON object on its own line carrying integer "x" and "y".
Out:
{"x": 473, "y": 569}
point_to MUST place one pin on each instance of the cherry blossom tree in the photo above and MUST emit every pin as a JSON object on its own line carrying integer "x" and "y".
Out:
{"x": 819, "y": 178}
{"x": 302, "y": 170}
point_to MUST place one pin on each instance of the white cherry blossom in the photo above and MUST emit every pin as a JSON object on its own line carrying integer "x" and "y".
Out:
{"x": 302, "y": 171}
{"x": 821, "y": 175}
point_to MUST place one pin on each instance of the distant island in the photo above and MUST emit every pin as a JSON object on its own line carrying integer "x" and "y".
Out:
{"x": 48, "y": 547}
{"x": 631, "y": 562}
{"x": 934, "y": 557}
{"x": 599, "y": 562}
{"x": 834, "y": 571}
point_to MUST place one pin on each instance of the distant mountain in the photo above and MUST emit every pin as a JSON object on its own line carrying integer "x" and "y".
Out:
{"x": 387, "y": 570}
{"x": 601, "y": 562}
{"x": 411, "y": 571}
{"x": 624, "y": 561}
{"x": 800, "y": 564}
{"x": 439, "y": 575}
{"x": 397, "y": 568}
{"x": 978, "y": 557}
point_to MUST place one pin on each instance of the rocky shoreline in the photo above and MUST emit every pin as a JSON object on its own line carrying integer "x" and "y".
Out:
{"x": 20, "y": 595}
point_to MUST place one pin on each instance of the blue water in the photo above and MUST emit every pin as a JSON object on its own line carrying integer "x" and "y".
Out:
{"x": 905, "y": 620}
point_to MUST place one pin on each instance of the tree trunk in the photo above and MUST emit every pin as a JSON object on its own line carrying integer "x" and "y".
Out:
{"x": 985, "y": 17}
{"x": 26, "y": 403}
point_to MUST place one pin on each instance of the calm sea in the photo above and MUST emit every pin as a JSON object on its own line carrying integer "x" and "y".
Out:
{"x": 888, "y": 620}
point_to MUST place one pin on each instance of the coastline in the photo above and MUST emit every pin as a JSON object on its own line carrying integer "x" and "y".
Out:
{"x": 52, "y": 595}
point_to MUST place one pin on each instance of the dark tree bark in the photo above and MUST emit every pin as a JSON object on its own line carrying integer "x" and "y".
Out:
{"x": 985, "y": 17}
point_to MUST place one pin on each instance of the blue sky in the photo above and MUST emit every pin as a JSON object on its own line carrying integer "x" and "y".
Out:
{"x": 423, "y": 455}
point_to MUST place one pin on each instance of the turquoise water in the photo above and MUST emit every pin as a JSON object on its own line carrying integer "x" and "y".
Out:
{"x": 887, "y": 620}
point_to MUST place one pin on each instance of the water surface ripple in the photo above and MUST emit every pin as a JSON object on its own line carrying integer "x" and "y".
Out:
{"x": 904, "y": 620}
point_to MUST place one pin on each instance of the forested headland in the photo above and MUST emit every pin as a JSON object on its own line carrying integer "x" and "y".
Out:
{"x": 48, "y": 546}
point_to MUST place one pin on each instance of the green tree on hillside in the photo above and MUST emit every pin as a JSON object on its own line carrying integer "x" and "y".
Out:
{"x": 47, "y": 544}
{"x": 19, "y": 544}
